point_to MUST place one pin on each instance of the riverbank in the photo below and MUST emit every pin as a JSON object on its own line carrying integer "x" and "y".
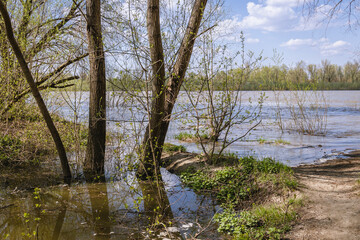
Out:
{"x": 330, "y": 194}
{"x": 258, "y": 198}
{"x": 332, "y": 206}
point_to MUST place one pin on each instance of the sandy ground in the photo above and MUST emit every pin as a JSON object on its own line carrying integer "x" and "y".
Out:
{"x": 332, "y": 200}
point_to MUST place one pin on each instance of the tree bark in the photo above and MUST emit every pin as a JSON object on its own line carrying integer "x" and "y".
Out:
{"x": 39, "y": 100}
{"x": 95, "y": 152}
{"x": 172, "y": 89}
{"x": 149, "y": 167}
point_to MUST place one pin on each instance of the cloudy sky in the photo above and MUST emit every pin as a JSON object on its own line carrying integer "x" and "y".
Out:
{"x": 284, "y": 25}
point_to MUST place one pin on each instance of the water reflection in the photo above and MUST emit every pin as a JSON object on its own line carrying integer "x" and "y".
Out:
{"x": 114, "y": 210}
{"x": 100, "y": 210}
{"x": 61, "y": 215}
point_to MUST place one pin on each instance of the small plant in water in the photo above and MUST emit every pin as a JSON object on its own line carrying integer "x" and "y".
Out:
{"x": 281, "y": 141}
{"x": 261, "y": 140}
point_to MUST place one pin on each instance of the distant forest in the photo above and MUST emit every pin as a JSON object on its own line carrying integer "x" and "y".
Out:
{"x": 325, "y": 76}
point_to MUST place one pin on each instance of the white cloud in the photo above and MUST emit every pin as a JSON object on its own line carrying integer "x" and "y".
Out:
{"x": 326, "y": 47}
{"x": 335, "y": 48}
{"x": 283, "y": 15}
{"x": 293, "y": 43}
{"x": 252, "y": 40}
{"x": 272, "y": 15}
{"x": 291, "y": 3}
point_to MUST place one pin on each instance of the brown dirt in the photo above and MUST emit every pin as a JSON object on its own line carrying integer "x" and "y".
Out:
{"x": 332, "y": 194}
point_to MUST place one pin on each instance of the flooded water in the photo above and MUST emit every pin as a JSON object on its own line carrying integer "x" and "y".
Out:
{"x": 124, "y": 209}
{"x": 334, "y": 114}
{"x": 114, "y": 210}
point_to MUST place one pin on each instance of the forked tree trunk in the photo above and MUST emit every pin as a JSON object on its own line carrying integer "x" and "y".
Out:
{"x": 95, "y": 152}
{"x": 29, "y": 78}
{"x": 158, "y": 130}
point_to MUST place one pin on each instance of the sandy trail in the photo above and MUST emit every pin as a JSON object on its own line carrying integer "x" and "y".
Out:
{"x": 332, "y": 195}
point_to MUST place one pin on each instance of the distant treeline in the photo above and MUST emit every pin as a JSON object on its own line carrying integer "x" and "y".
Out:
{"x": 326, "y": 76}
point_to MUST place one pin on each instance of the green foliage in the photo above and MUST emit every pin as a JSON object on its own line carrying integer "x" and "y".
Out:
{"x": 171, "y": 148}
{"x": 326, "y": 76}
{"x": 269, "y": 165}
{"x": 231, "y": 185}
{"x": 30, "y": 142}
{"x": 185, "y": 136}
{"x": 281, "y": 141}
{"x": 261, "y": 140}
{"x": 261, "y": 222}
{"x": 10, "y": 147}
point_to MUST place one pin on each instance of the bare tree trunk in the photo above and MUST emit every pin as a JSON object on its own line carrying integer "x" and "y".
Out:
{"x": 95, "y": 152}
{"x": 149, "y": 167}
{"x": 29, "y": 78}
{"x": 159, "y": 130}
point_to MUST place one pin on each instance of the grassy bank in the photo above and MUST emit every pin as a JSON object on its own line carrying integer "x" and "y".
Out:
{"x": 27, "y": 149}
{"x": 257, "y": 196}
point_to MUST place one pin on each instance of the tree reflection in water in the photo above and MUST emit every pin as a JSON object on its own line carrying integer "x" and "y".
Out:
{"x": 100, "y": 210}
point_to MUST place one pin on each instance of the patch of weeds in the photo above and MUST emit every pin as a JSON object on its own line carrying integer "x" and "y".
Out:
{"x": 230, "y": 185}
{"x": 261, "y": 140}
{"x": 275, "y": 172}
{"x": 234, "y": 185}
{"x": 269, "y": 165}
{"x": 10, "y": 147}
{"x": 228, "y": 159}
{"x": 185, "y": 136}
{"x": 281, "y": 141}
{"x": 261, "y": 222}
{"x": 171, "y": 148}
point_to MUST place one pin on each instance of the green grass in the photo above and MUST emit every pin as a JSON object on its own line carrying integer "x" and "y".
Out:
{"x": 247, "y": 179}
{"x": 261, "y": 140}
{"x": 172, "y": 148}
{"x": 185, "y": 136}
{"x": 261, "y": 222}
{"x": 25, "y": 137}
{"x": 281, "y": 141}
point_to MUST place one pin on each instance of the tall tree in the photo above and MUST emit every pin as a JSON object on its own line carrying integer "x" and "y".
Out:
{"x": 95, "y": 152}
{"x": 35, "y": 91}
{"x": 150, "y": 167}
{"x": 164, "y": 96}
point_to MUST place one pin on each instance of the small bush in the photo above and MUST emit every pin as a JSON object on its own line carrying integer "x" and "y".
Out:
{"x": 171, "y": 148}
{"x": 10, "y": 147}
{"x": 185, "y": 136}
{"x": 281, "y": 141}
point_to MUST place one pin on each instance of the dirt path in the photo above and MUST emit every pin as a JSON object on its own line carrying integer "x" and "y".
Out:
{"x": 332, "y": 195}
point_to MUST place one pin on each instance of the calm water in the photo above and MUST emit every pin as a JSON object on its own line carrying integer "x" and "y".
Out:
{"x": 120, "y": 209}
{"x": 338, "y": 111}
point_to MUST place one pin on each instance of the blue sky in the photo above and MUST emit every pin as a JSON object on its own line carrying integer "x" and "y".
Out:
{"x": 285, "y": 26}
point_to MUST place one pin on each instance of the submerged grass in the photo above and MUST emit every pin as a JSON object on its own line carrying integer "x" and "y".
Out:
{"x": 243, "y": 190}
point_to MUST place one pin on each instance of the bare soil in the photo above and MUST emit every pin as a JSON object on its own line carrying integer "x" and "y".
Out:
{"x": 332, "y": 200}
